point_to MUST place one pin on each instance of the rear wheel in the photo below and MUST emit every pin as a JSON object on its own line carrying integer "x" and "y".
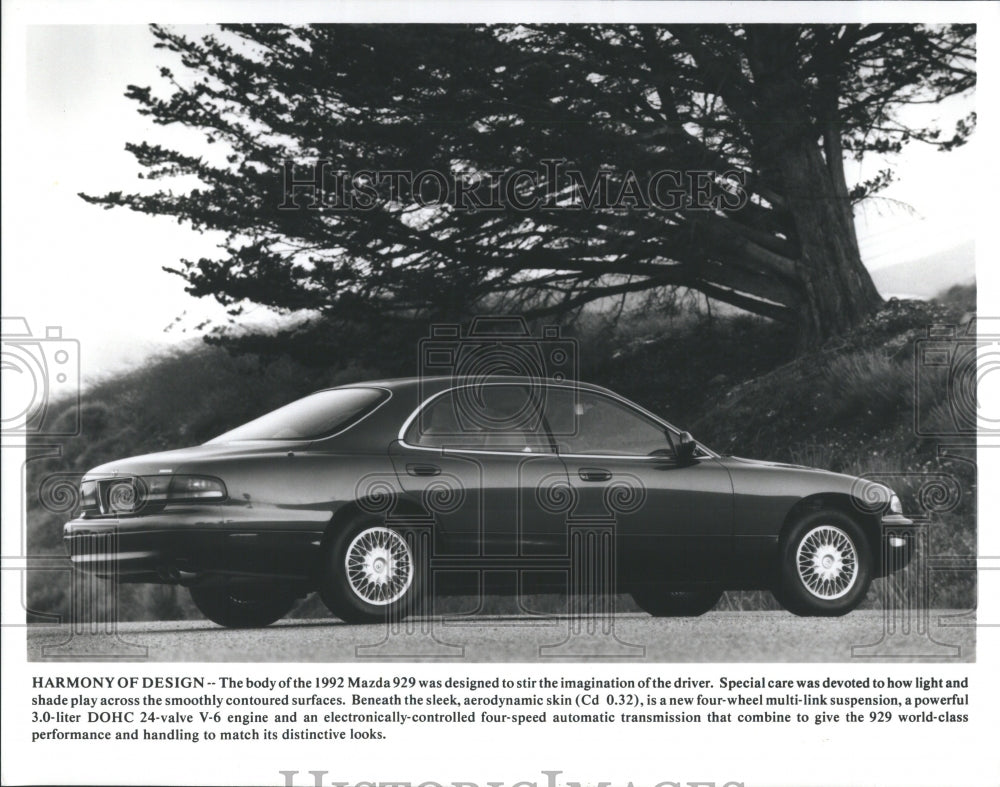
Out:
{"x": 243, "y": 606}
{"x": 370, "y": 572}
{"x": 660, "y": 602}
{"x": 826, "y": 565}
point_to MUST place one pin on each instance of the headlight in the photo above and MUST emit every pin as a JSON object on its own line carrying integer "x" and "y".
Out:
{"x": 123, "y": 496}
{"x": 895, "y": 506}
{"x": 88, "y": 495}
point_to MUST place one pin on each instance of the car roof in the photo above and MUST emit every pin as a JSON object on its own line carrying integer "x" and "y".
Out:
{"x": 436, "y": 383}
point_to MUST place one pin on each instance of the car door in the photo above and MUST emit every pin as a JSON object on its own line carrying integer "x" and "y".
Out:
{"x": 479, "y": 461}
{"x": 673, "y": 520}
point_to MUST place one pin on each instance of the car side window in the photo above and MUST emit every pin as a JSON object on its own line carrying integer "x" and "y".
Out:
{"x": 584, "y": 422}
{"x": 505, "y": 418}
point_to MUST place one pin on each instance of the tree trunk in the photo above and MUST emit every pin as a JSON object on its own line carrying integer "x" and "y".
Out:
{"x": 837, "y": 290}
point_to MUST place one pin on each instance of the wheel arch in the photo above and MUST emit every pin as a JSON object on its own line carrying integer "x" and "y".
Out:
{"x": 393, "y": 511}
{"x": 398, "y": 507}
{"x": 870, "y": 523}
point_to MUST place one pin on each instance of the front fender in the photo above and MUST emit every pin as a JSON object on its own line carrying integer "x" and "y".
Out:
{"x": 765, "y": 493}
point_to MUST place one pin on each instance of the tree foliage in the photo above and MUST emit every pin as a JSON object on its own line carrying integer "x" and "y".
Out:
{"x": 773, "y": 109}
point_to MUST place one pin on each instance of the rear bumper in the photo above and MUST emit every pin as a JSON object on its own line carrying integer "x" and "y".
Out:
{"x": 186, "y": 548}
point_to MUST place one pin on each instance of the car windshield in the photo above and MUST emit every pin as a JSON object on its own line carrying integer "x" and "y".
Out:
{"x": 317, "y": 415}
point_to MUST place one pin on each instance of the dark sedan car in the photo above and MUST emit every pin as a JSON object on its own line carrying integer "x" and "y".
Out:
{"x": 379, "y": 494}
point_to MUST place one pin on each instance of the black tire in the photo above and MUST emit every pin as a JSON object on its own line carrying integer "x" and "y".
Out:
{"x": 826, "y": 565}
{"x": 243, "y": 606}
{"x": 661, "y": 602}
{"x": 352, "y": 595}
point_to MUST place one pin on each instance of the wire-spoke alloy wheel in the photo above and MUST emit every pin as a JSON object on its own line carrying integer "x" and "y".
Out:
{"x": 370, "y": 572}
{"x": 379, "y": 566}
{"x": 828, "y": 562}
{"x": 826, "y": 565}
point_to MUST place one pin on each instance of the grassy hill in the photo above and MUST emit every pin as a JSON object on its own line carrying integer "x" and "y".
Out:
{"x": 734, "y": 382}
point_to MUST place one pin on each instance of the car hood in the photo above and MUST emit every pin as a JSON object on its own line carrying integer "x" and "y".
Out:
{"x": 808, "y": 479}
{"x": 762, "y": 463}
{"x": 176, "y": 460}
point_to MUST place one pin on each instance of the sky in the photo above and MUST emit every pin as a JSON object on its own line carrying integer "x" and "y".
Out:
{"x": 98, "y": 273}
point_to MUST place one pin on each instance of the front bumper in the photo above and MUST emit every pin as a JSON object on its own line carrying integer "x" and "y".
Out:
{"x": 898, "y": 543}
{"x": 185, "y": 548}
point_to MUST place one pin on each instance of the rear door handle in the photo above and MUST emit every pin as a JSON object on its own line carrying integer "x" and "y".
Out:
{"x": 423, "y": 470}
{"x": 595, "y": 474}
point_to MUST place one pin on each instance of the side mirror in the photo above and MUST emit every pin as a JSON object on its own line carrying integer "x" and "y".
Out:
{"x": 685, "y": 447}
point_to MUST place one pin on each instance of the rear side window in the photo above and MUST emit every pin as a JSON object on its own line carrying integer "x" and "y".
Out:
{"x": 317, "y": 415}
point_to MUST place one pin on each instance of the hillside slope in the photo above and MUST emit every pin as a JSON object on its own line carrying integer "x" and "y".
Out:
{"x": 927, "y": 276}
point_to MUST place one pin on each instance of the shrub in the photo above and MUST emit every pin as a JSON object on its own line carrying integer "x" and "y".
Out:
{"x": 868, "y": 386}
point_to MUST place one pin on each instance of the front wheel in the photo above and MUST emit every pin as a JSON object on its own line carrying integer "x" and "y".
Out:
{"x": 662, "y": 603}
{"x": 826, "y": 565}
{"x": 370, "y": 572}
{"x": 242, "y": 606}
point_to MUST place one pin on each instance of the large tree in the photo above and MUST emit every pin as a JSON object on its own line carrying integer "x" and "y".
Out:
{"x": 564, "y": 128}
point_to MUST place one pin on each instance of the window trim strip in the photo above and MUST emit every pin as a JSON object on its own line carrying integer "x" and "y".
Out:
{"x": 608, "y": 394}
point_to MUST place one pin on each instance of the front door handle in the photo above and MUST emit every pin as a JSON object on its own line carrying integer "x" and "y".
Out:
{"x": 423, "y": 470}
{"x": 595, "y": 474}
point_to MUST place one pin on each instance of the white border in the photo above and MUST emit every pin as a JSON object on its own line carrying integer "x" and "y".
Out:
{"x": 755, "y": 756}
